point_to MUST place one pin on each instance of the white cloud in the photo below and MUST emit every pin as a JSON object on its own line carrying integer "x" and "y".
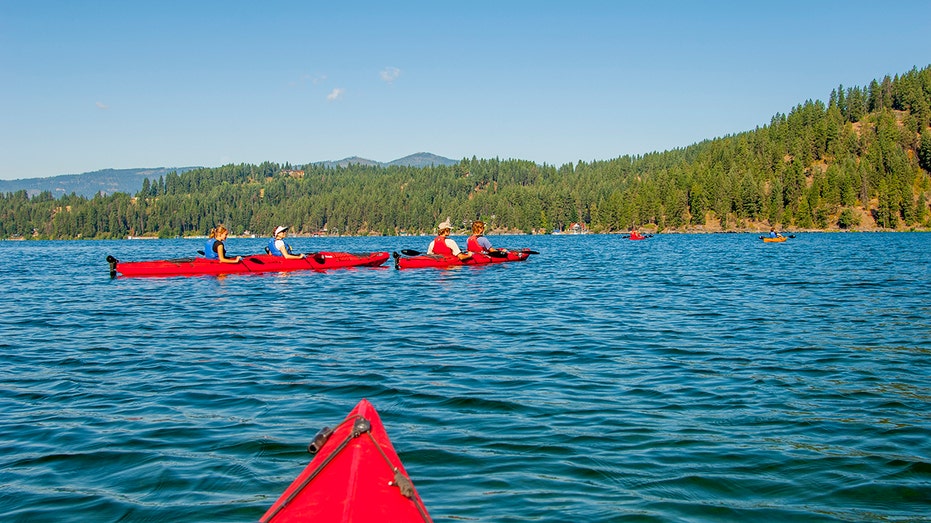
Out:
{"x": 102, "y": 106}
{"x": 390, "y": 74}
{"x": 335, "y": 94}
{"x": 315, "y": 79}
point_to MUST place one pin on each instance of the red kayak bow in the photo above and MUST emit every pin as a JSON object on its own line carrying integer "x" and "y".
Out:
{"x": 356, "y": 476}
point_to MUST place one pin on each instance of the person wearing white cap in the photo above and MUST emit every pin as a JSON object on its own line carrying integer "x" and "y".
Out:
{"x": 445, "y": 246}
{"x": 279, "y": 247}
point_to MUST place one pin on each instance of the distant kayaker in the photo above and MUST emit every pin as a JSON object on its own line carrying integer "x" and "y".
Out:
{"x": 478, "y": 242}
{"x": 279, "y": 247}
{"x": 445, "y": 246}
{"x": 634, "y": 235}
{"x": 773, "y": 233}
{"x": 215, "y": 249}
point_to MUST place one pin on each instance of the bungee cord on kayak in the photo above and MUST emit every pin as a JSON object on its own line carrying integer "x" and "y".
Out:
{"x": 357, "y": 479}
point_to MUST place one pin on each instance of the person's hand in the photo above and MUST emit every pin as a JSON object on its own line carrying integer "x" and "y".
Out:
{"x": 238, "y": 259}
{"x": 303, "y": 255}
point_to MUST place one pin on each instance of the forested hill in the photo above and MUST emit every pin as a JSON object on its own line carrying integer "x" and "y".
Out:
{"x": 106, "y": 181}
{"x": 109, "y": 181}
{"x": 858, "y": 161}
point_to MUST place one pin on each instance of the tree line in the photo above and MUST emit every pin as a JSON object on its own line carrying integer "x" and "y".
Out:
{"x": 860, "y": 160}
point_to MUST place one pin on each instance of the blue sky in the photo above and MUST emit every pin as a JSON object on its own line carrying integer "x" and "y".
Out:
{"x": 88, "y": 85}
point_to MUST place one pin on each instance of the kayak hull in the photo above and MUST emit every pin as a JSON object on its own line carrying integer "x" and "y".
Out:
{"x": 441, "y": 261}
{"x": 355, "y": 476}
{"x": 256, "y": 263}
{"x": 779, "y": 239}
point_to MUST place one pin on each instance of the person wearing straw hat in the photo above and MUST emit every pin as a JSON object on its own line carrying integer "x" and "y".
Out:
{"x": 279, "y": 247}
{"x": 444, "y": 245}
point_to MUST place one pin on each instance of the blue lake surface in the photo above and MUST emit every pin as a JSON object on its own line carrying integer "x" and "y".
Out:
{"x": 680, "y": 379}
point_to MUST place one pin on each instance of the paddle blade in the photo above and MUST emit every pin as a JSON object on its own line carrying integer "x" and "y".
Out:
{"x": 410, "y": 252}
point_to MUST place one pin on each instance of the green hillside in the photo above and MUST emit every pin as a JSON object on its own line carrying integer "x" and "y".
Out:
{"x": 859, "y": 161}
{"x": 106, "y": 181}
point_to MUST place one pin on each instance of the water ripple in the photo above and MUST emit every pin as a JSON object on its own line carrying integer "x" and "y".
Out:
{"x": 685, "y": 378}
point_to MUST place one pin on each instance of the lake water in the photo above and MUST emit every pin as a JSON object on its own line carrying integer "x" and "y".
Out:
{"x": 680, "y": 379}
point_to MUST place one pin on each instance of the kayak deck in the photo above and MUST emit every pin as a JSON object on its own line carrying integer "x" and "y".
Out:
{"x": 440, "y": 261}
{"x": 256, "y": 263}
{"x": 355, "y": 476}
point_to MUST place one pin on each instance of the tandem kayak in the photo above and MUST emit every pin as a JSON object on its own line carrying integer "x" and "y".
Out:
{"x": 319, "y": 261}
{"x": 355, "y": 476}
{"x": 415, "y": 260}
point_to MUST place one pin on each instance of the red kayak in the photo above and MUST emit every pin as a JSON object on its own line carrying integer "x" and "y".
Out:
{"x": 355, "y": 476}
{"x": 320, "y": 261}
{"x": 416, "y": 260}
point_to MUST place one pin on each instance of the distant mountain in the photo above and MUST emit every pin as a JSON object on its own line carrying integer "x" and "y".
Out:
{"x": 129, "y": 181}
{"x": 346, "y": 162}
{"x": 107, "y": 181}
{"x": 413, "y": 160}
{"x": 423, "y": 160}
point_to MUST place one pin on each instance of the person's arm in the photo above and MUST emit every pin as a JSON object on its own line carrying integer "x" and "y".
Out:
{"x": 457, "y": 252}
{"x": 286, "y": 251}
{"x": 430, "y": 247}
{"x": 221, "y": 253}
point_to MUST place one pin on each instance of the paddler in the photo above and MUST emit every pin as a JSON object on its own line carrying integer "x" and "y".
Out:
{"x": 478, "y": 242}
{"x": 215, "y": 249}
{"x": 279, "y": 247}
{"x": 445, "y": 246}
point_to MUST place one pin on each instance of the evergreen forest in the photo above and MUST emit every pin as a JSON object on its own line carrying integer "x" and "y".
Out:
{"x": 859, "y": 161}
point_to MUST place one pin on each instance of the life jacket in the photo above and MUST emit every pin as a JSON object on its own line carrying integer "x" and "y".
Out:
{"x": 273, "y": 249}
{"x": 440, "y": 247}
{"x": 210, "y": 249}
{"x": 472, "y": 244}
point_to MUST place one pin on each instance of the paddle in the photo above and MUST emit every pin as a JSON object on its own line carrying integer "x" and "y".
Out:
{"x": 112, "y": 262}
{"x": 789, "y": 236}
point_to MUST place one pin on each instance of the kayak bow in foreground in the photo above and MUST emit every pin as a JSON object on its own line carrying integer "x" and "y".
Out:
{"x": 319, "y": 261}
{"x": 356, "y": 476}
